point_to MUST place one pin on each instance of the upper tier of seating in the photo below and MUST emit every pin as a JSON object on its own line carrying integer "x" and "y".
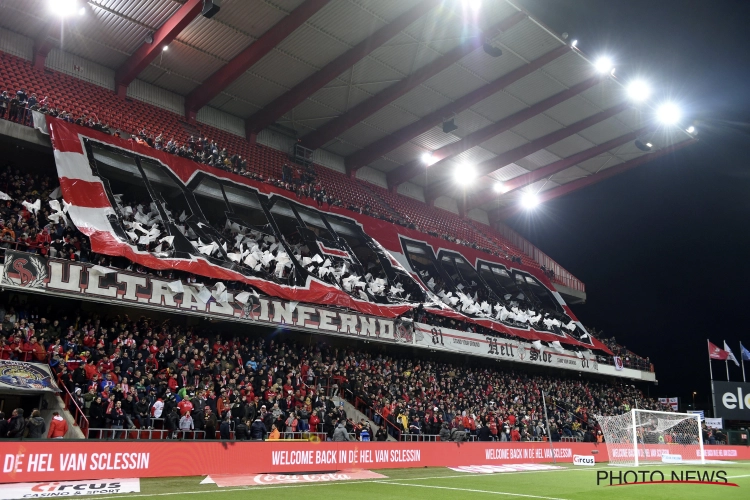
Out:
{"x": 79, "y": 97}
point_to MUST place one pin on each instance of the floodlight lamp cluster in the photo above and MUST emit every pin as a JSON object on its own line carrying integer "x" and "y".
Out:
{"x": 639, "y": 91}
{"x": 67, "y": 8}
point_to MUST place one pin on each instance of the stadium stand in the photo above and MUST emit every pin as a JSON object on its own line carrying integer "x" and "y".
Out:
{"x": 161, "y": 371}
{"x": 57, "y": 94}
{"x": 149, "y": 375}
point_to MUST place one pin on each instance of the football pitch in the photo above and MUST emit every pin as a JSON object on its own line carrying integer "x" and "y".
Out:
{"x": 566, "y": 483}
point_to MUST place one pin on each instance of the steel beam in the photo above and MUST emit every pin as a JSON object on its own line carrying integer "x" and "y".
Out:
{"x": 356, "y": 114}
{"x": 444, "y": 186}
{"x": 558, "y": 166}
{"x": 228, "y": 73}
{"x": 593, "y": 179}
{"x": 390, "y": 142}
{"x": 415, "y": 167}
{"x": 147, "y": 52}
{"x": 287, "y": 101}
{"x": 44, "y": 42}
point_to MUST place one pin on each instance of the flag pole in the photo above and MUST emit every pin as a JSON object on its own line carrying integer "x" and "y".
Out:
{"x": 711, "y": 371}
{"x": 726, "y": 362}
{"x": 742, "y": 360}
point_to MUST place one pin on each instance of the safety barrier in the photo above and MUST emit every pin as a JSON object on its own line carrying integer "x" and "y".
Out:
{"x": 140, "y": 434}
{"x": 93, "y": 459}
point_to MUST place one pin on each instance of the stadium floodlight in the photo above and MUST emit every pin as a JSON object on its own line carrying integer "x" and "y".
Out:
{"x": 668, "y": 113}
{"x": 464, "y": 174}
{"x": 473, "y": 4}
{"x": 644, "y": 145}
{"x": 574, "y": 43}
{"x": 603, "y": 65}
{"x": 690, "y": 130}
{"x": 427, "y": 158}
{"x": 64, "y": 8}
{"x": 529, "y": 200}
{"x": 498, "y": 187}
{"x": 638, "y": 90}
{"x": 165, "y": 48}
{"x": 82, "y": 11}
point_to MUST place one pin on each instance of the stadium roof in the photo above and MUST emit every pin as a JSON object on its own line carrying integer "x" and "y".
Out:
{"x": 373, "y": 81}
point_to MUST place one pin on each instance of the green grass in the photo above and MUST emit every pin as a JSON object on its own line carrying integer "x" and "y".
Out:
{"x": 571, "y": 483}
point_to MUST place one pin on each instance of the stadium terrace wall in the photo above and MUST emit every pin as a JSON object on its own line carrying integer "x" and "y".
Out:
{"x": 30, "y": 461}
{"x": 93, "y": 213}
{"x": 33, "y": 273}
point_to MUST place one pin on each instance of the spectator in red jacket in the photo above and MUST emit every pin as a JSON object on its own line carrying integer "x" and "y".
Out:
{"x": 515, "y": 435}
{"x": 58, "y": 427}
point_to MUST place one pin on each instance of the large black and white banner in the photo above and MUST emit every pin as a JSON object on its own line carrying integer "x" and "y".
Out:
{"x": 732, "y": 400}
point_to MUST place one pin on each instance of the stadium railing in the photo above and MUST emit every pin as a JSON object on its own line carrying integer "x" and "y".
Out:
{"x": 142, "y": 434}
{"x": 70, "y": 403}
{"x": 370, "y": 412}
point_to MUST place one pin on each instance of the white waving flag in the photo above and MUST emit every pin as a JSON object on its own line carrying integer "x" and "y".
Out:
{"x": 730, "y": 354}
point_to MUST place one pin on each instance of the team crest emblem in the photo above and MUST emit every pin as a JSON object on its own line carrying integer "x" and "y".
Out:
{"x": 23, "y": 376}
{"x": 404, "y": 333}
{"x": 28, "y": 272}
{"x": 618, "y": 363}
{"x": 521, "y": 352}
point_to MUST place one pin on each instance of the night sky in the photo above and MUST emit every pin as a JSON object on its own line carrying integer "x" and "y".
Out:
{"x": 663, "y": 248}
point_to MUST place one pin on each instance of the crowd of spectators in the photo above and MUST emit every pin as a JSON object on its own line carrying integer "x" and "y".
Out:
{"x": 39, "y": 232}
{"x": 629, "y": 358}
{"x": 128, "y": 373}
{"x": 42, "y": 233}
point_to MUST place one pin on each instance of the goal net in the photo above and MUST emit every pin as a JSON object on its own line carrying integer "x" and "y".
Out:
{"x": 643, "y": 437}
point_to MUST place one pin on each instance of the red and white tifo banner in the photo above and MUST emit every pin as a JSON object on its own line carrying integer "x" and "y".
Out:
{"x": 92, "y": 211}
{"x": 34, "y": 461}
{"x": 69, "y": 488}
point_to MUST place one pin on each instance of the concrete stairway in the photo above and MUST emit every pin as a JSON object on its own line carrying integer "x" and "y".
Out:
{"x": 55, "y": 403}
{"x": 357, "y": 416}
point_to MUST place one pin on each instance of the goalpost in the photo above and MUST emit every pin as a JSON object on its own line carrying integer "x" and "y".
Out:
{"x": 641, "y": 436}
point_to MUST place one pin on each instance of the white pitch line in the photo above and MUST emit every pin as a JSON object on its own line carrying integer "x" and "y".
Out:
{"x": 468, "y": 490}
{"x": 453, "y": 476}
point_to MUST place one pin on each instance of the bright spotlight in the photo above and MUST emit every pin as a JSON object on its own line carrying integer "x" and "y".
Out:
{"x": 165, "y": 48}
{"x": 428, "y": 159}
{"x": 82, "y": 11}
{"x": 63, "y": 8}
{"x": 464, "y": 174}
{"x": 668, "y": 113}
{"x": 529, "y": 200}
{"x": 574, "y": 43}
{"x": 473, "y": 4}
{"x": 603, "y": 65}
{"x": 638, "y": 90}
{"x": 690, "y": 130}
{"x": 498, "y": 187}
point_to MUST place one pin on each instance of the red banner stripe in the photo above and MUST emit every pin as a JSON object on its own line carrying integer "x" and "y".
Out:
{"x": 84, "y": 194}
